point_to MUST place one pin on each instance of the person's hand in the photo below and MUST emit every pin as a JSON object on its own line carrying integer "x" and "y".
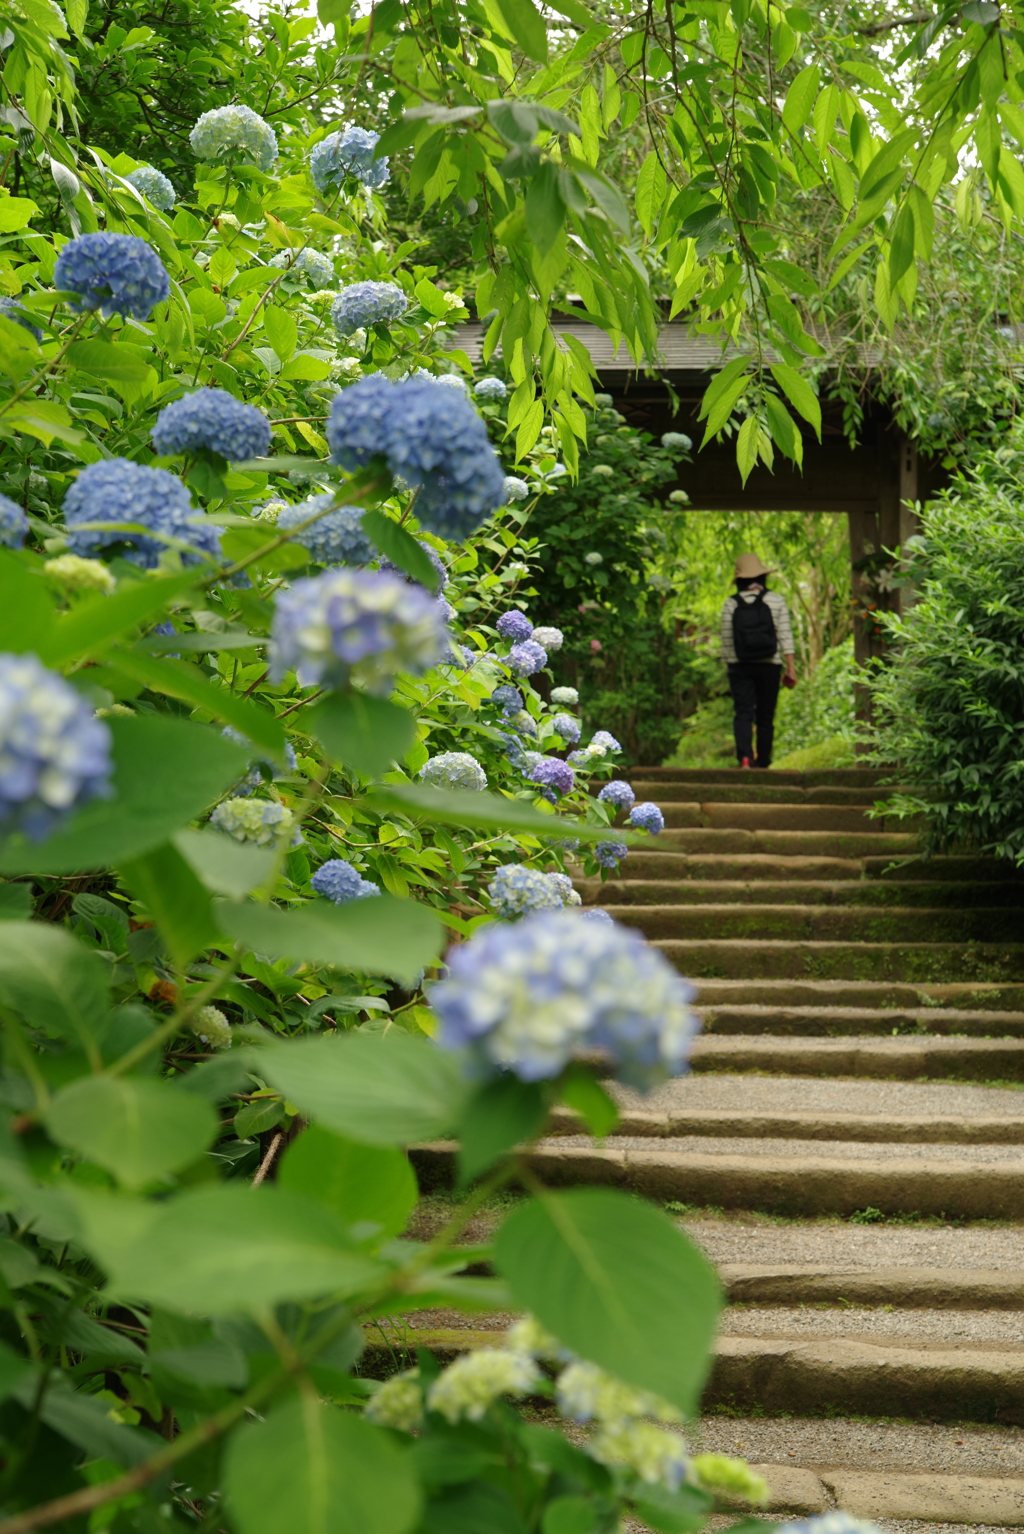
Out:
{"x": 789, "y": 680}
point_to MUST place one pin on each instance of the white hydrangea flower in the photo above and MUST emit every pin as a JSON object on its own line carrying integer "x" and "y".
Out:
{"x": 262, "y": 821}
{"x": 550, "y": 638}
{"x": 528, "y": 1336}
{"x": 398, "y": 1403}
{"x": 565, "y": 695}
{"x": 656, "y": 1455}
{"x": 515, "y": 489}
{"x": 210, "y": 1025}
{"x": 474, "y": 1381}
{"x": 77, "y": 574}
{"x": 602, "y": 468}
{"x": 586, "y": 1394}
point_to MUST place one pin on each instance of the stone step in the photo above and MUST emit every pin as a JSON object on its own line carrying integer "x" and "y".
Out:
{"x": 748, "y": 791}
{"x": 907, "y": 1288}
{"x": 838, "y": 777}
{"x": 837, "y": 1178}
{"x": 979, "y": 996}
{"x": 820, "y": 923}
{"x": 904, "y": 1129}
{"x": 900, "y": 1059}
{"x": 653, "y": 860}
{"x": 688, "y": 814}
{"x": 925, "y": 963}
{"x": 837, "y": 1022}
{"x": 928, "y": 893}
{"x": 719, "y": 841}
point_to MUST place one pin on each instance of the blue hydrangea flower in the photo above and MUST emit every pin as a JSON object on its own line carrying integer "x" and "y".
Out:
{"x": 212, "y": 419}
{"x": 432, "y": 555}
{"x": 605, "y": 741}
{"x": 490, "y": 388}
{"x": 550, "y": 638}
{"x": 595, "y": 913}
{"x": 432, "y": 438}
{"x": 12, "y": 310}
{"x": 515, "y": 889}
{"x": 356, "y": 625}
{"x": 567, "y": 727}
{"x": 523, "y": 723}
{"x": 120, "y": 491}
{"x": 676, "y": 440}
{"x": 618, "y": 793}
{"x": 348, "y": 153}
{"x": 336, "y": 539}
{"x": 508, "y": 698}
{"x": 367, "y": 303}
{"x": 262, "y": 770}
{"x": 610, "y": 854}
{"x": 515, "y": 489}
{"x": 114, "y": 273}
{"x": 342, "y": 883}
{"x": 54, "y": 754}
{"x": 529, "y": 997}
{"x": 564, "y": 888}
{"x": 526, "y": 658}
{"x": 309, "y": 263}
{"x": 455, "y": 769}
{"x": 154, "y": 186}
{"x": 514, "y": 625}
{"x": 578, "y": 759}
{"x": 263, "y": 822}
{"x": 567, "y": 695}
{"x": 13, "y": 524}
{"x": 647, "y": 817}
{"x": 553, "y": 773}
{"x": 234, "y": 130}
{"x": 514, "y": 751}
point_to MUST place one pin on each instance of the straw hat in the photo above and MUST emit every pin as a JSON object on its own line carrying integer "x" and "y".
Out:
{"x": 750, "y": 565}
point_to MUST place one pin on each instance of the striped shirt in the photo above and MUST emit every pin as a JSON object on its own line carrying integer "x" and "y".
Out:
{"x": 780, "y": 617}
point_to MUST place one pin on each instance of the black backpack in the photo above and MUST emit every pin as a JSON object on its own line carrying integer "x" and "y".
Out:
{"x": 753, "y": 629}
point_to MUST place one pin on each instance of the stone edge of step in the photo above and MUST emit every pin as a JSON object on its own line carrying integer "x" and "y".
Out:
{"x": 908, "y": 1129}
{"x": 918, "y": 1496}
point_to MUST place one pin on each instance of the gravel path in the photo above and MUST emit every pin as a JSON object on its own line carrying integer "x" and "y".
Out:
{"x": 843, "y": 1247}
{"x": 813, "y": 1094}
{"x": 946, "y": 1449}
{"x": 841, "y": 1150}
{"x": 908, "y": 1328}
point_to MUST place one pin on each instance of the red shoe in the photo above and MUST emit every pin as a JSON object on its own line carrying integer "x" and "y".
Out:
{"x": 746, "y": 762}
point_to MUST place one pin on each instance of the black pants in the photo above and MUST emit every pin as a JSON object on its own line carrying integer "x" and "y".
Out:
{"x": 754, "y": 685}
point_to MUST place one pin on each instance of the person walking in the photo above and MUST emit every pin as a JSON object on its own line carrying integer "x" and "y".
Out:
{"x": 757, "y": 640}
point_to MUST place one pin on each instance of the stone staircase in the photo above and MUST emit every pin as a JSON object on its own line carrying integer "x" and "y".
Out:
{"x": 855, "y": 1113}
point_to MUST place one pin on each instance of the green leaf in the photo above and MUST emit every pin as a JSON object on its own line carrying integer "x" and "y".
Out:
{"x": 305, "y": 367}
{"x": 526, "y": 24}
{"x": 490, "y": 812}
{"x": 378, "y": 1089}
{"x": 800, "y": 98}
{"x": 582, "y": 1092}
{"x": 746, "y": 446}
{"x": 498, "y": 1116}
{"x": 42, "y": 418}
{"x": 15, "y": 902}
{"x": 312, "y": 1469}
{"x": 281, "y": 330}
{"x": 570, "y": 1515}
{"x": 178, "y": 902}
{"x": 96, "y": 622}
{"x": 181, "y": 679}
{"x": 380, "y": 935}
{"x": 166, "y": 772}
{"x": 545, "y": 210}
{"x": 616, "y": 1282}
{"x": 401, "y": 548}
{"x": 55, "y": 982}
{"x": 27, "y": 616}
{"x": 651, "y": 185}
{"x": 901, "y": 250}
{"x": 123, "y": 367}
{"x": 784, "y": 429}
{"x": 799, "y": 393}
{"x": 261, "y": 1114}
{"x": 885, "y": 164}
{"x": 366, "y": 733}
{"x": 231, "y": 1248}
{"x": 721, "y": 384}
{"x": 361, "y": 1184}
{"x": 225, "y": 866}
{"x": 15, "y": 213}
{"x": 138, "y": 1129}
{"x": 575, "y": 12}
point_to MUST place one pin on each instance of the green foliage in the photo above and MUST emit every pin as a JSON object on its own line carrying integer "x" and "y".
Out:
{"x": 821, "y": 707}
{"x": 948, "y": 705}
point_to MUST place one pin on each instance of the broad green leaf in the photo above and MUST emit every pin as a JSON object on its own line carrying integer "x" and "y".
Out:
{"x": 225, "y": 866}
{"x": 784, "y": 429}
{"x": 526, "y": 24}
{"x": 281, "y": 330}
{"x": 231, "y": 1248}
{"x": 177, "y": 901}
{"x": 497, "y": 1117}
{"x": 312, "y": 1469}
{"x": 15, "y": 902}
{"x": 139, "y": 1130}
{"x": 366, "y": 733}
{"x": 800, "y": 98}
{"x": 371, "y": 1185}
{"x": 616, "y": 1282}
{"x": 400, "y": 547}
{"x": 15, "y": 213}
{"x": 886, "y": 163}
{"x": 53, "y": 981}
{"x": 545, "y": 210}
{"x": 378, "y": 1089}
{"x": 181, "y": 679}
{"x": 380, "y": 935}
{"x": 651, "y": 185}
{"x": 454, "y": 808}
{"x": 123, "y": 367}
{"x": 95, "y": 623}
{"x": 87, "y": 1423}
{"x": 42, "y": 418}
{"x": 581, "y": 1091}
{"x": 310, "y": 369}
{"x": 721, "y": 384}
{"x": 746, "y": 446}
{"x": 166, "y": 772}
{"x": 799, "y": 393}
{"x": 27, "y": 616}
